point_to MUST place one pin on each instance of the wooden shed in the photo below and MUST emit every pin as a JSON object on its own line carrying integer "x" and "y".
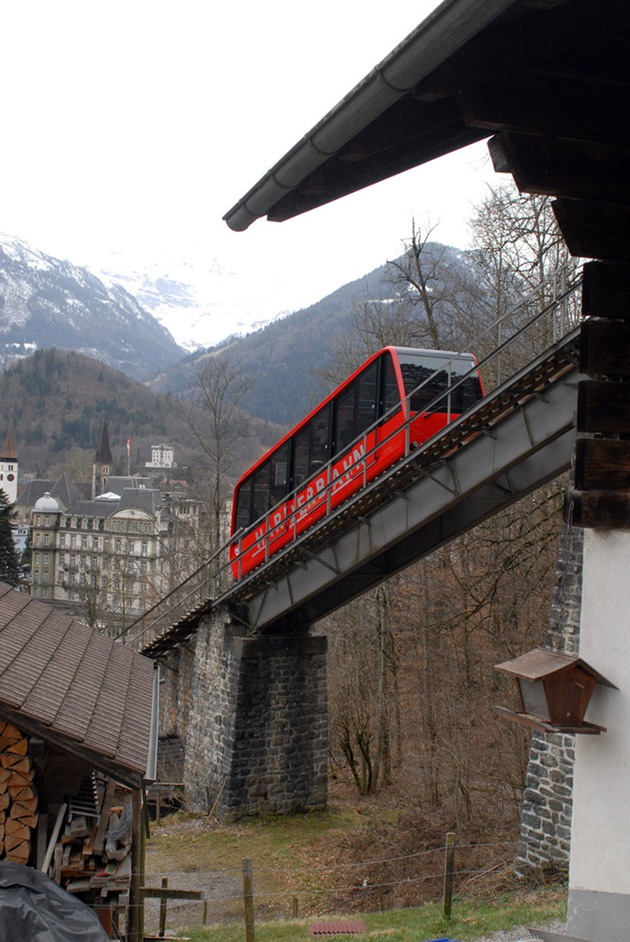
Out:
{"x": 78, "y": 737}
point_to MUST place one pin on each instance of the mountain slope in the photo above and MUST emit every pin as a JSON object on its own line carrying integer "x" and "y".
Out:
{"x": 285, "y": 358}
{"x": 45, "y": 302}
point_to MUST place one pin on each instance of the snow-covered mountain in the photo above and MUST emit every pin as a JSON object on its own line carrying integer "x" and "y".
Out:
{"x": 46, "y": 302}
{"x": 200, "y": 302}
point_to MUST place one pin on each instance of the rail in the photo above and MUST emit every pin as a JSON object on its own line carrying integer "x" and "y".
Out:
{"x": 523, "y": 338}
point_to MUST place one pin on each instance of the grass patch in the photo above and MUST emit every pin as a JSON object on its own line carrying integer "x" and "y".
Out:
{"x": 471, "y": 920}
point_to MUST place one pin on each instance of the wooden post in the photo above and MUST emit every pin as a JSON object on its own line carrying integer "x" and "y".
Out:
{"x": 163, "y": 903}
{"x": 248, "y": 899}
{"x": 294, "y": 908}
{"x": 449, "y": 869}
{"x": 136, "y": 901}
{"x": 204, "y": 918}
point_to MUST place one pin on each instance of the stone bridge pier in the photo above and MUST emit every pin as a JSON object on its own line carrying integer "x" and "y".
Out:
{"x": 252, "y": 715}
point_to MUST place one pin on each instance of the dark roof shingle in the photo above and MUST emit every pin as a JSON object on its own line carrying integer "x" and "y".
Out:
{"x": 62, "y": 680}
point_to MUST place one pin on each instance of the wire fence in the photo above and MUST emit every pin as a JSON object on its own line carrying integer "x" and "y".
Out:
{"x": 275, "y": 893}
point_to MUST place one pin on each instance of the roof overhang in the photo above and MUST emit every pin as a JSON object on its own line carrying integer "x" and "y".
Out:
{"x": 549, "y": 76}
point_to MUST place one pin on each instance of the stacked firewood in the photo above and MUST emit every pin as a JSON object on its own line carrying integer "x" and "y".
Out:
{"x": 18, "y": 796}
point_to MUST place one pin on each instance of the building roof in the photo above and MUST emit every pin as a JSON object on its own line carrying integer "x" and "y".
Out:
{"x": 103, "y": 454}
{"x": 549, "y": 78}
{"x": 9, "y": 451}
{"x": 76, "y": 688}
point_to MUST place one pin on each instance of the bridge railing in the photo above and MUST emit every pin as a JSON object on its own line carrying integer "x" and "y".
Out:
{"x": 537, "y": 323}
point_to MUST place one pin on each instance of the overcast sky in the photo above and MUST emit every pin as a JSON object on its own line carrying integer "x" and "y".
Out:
{"x": 132, "y": 126}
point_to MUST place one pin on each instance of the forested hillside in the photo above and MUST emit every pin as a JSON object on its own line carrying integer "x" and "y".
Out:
{"x": 59, "y": 400}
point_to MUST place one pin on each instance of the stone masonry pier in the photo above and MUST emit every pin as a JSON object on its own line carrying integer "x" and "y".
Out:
{"x": 252, "y": 715}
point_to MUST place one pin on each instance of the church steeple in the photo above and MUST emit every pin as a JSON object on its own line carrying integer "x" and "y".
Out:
{"x": 103, "y": 462}
{"x": 9, "y": 465}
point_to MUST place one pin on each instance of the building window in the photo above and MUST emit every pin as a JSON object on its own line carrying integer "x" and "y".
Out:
{"x": 62, "y": 540}
{"x": 44, "y": 557}
{"x": 46, "y": 521}
{"x": 46, "y": 539}
{"x": 37, "y": 539}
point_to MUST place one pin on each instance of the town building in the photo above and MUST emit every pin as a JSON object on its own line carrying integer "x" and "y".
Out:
{"x": 162, "y": 457}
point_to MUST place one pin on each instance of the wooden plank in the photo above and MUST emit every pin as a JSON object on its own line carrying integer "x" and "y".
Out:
{"x": 606, "y": 290}
{"x": 602, "y": 464}
{"x": 159, "y": 892}
{"x": 101, "y": 831}
{"x": 603, "y": 407}
{"x": 53, "y": 838}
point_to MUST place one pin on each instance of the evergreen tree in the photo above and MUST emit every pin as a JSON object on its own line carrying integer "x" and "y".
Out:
{"x": 9, "y": 563}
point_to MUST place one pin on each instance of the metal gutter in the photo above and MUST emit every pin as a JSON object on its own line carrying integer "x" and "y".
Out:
{"x": 442, "y": 33}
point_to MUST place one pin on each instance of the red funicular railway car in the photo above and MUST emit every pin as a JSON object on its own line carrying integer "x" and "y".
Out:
{"x": 396, "y": 400}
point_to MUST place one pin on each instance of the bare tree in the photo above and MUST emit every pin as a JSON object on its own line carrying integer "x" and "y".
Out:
{"x": 219, "y": 426}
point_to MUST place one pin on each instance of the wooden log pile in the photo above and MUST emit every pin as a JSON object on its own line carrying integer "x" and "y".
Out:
{"x": 18, "y": 795}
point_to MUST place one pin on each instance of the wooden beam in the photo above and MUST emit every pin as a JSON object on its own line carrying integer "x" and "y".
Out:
{"x": 536, "y": 39}
{"x": 606, "y": 290}
{"x": 595, "y": 230}
{"x": 605, "y": 348}
{"x": 572, "y": 169}
{"x": 602, "y": 464}
{"x": 599, "y": 510}
{"x": 551, "y": 106}
{"x": 603, "y": 407}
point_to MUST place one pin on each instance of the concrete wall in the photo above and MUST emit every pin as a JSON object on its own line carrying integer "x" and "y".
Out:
{"x": 257, "y": 739}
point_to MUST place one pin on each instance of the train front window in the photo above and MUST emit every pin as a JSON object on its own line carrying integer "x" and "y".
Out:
{"x": 429, "y": 376}
{"x": 391, "y": 394}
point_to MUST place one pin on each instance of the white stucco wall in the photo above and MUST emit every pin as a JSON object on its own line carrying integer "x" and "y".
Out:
{"x": 600, "y": 850}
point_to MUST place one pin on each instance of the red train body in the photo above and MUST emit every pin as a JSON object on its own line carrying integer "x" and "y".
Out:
{"x": 397, "y": 399}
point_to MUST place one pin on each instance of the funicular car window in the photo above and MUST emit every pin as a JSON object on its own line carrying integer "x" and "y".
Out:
{"x": 302, "y": 453}
{"x": 367, "y": 400}
{"x": 244, "y": 507}
{"x": 262, "y": 481}
{"x": 320, "y": 442}
{"x": 345, "y": 407}
{"x": 279, "y": 468}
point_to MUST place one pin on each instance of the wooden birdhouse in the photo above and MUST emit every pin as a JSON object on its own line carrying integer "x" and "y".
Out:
{"x": 553, "y": 690}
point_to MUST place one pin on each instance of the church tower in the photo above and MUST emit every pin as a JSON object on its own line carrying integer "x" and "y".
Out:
{"x": 103, "y": 462}
{"x": 9, "y": 465}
